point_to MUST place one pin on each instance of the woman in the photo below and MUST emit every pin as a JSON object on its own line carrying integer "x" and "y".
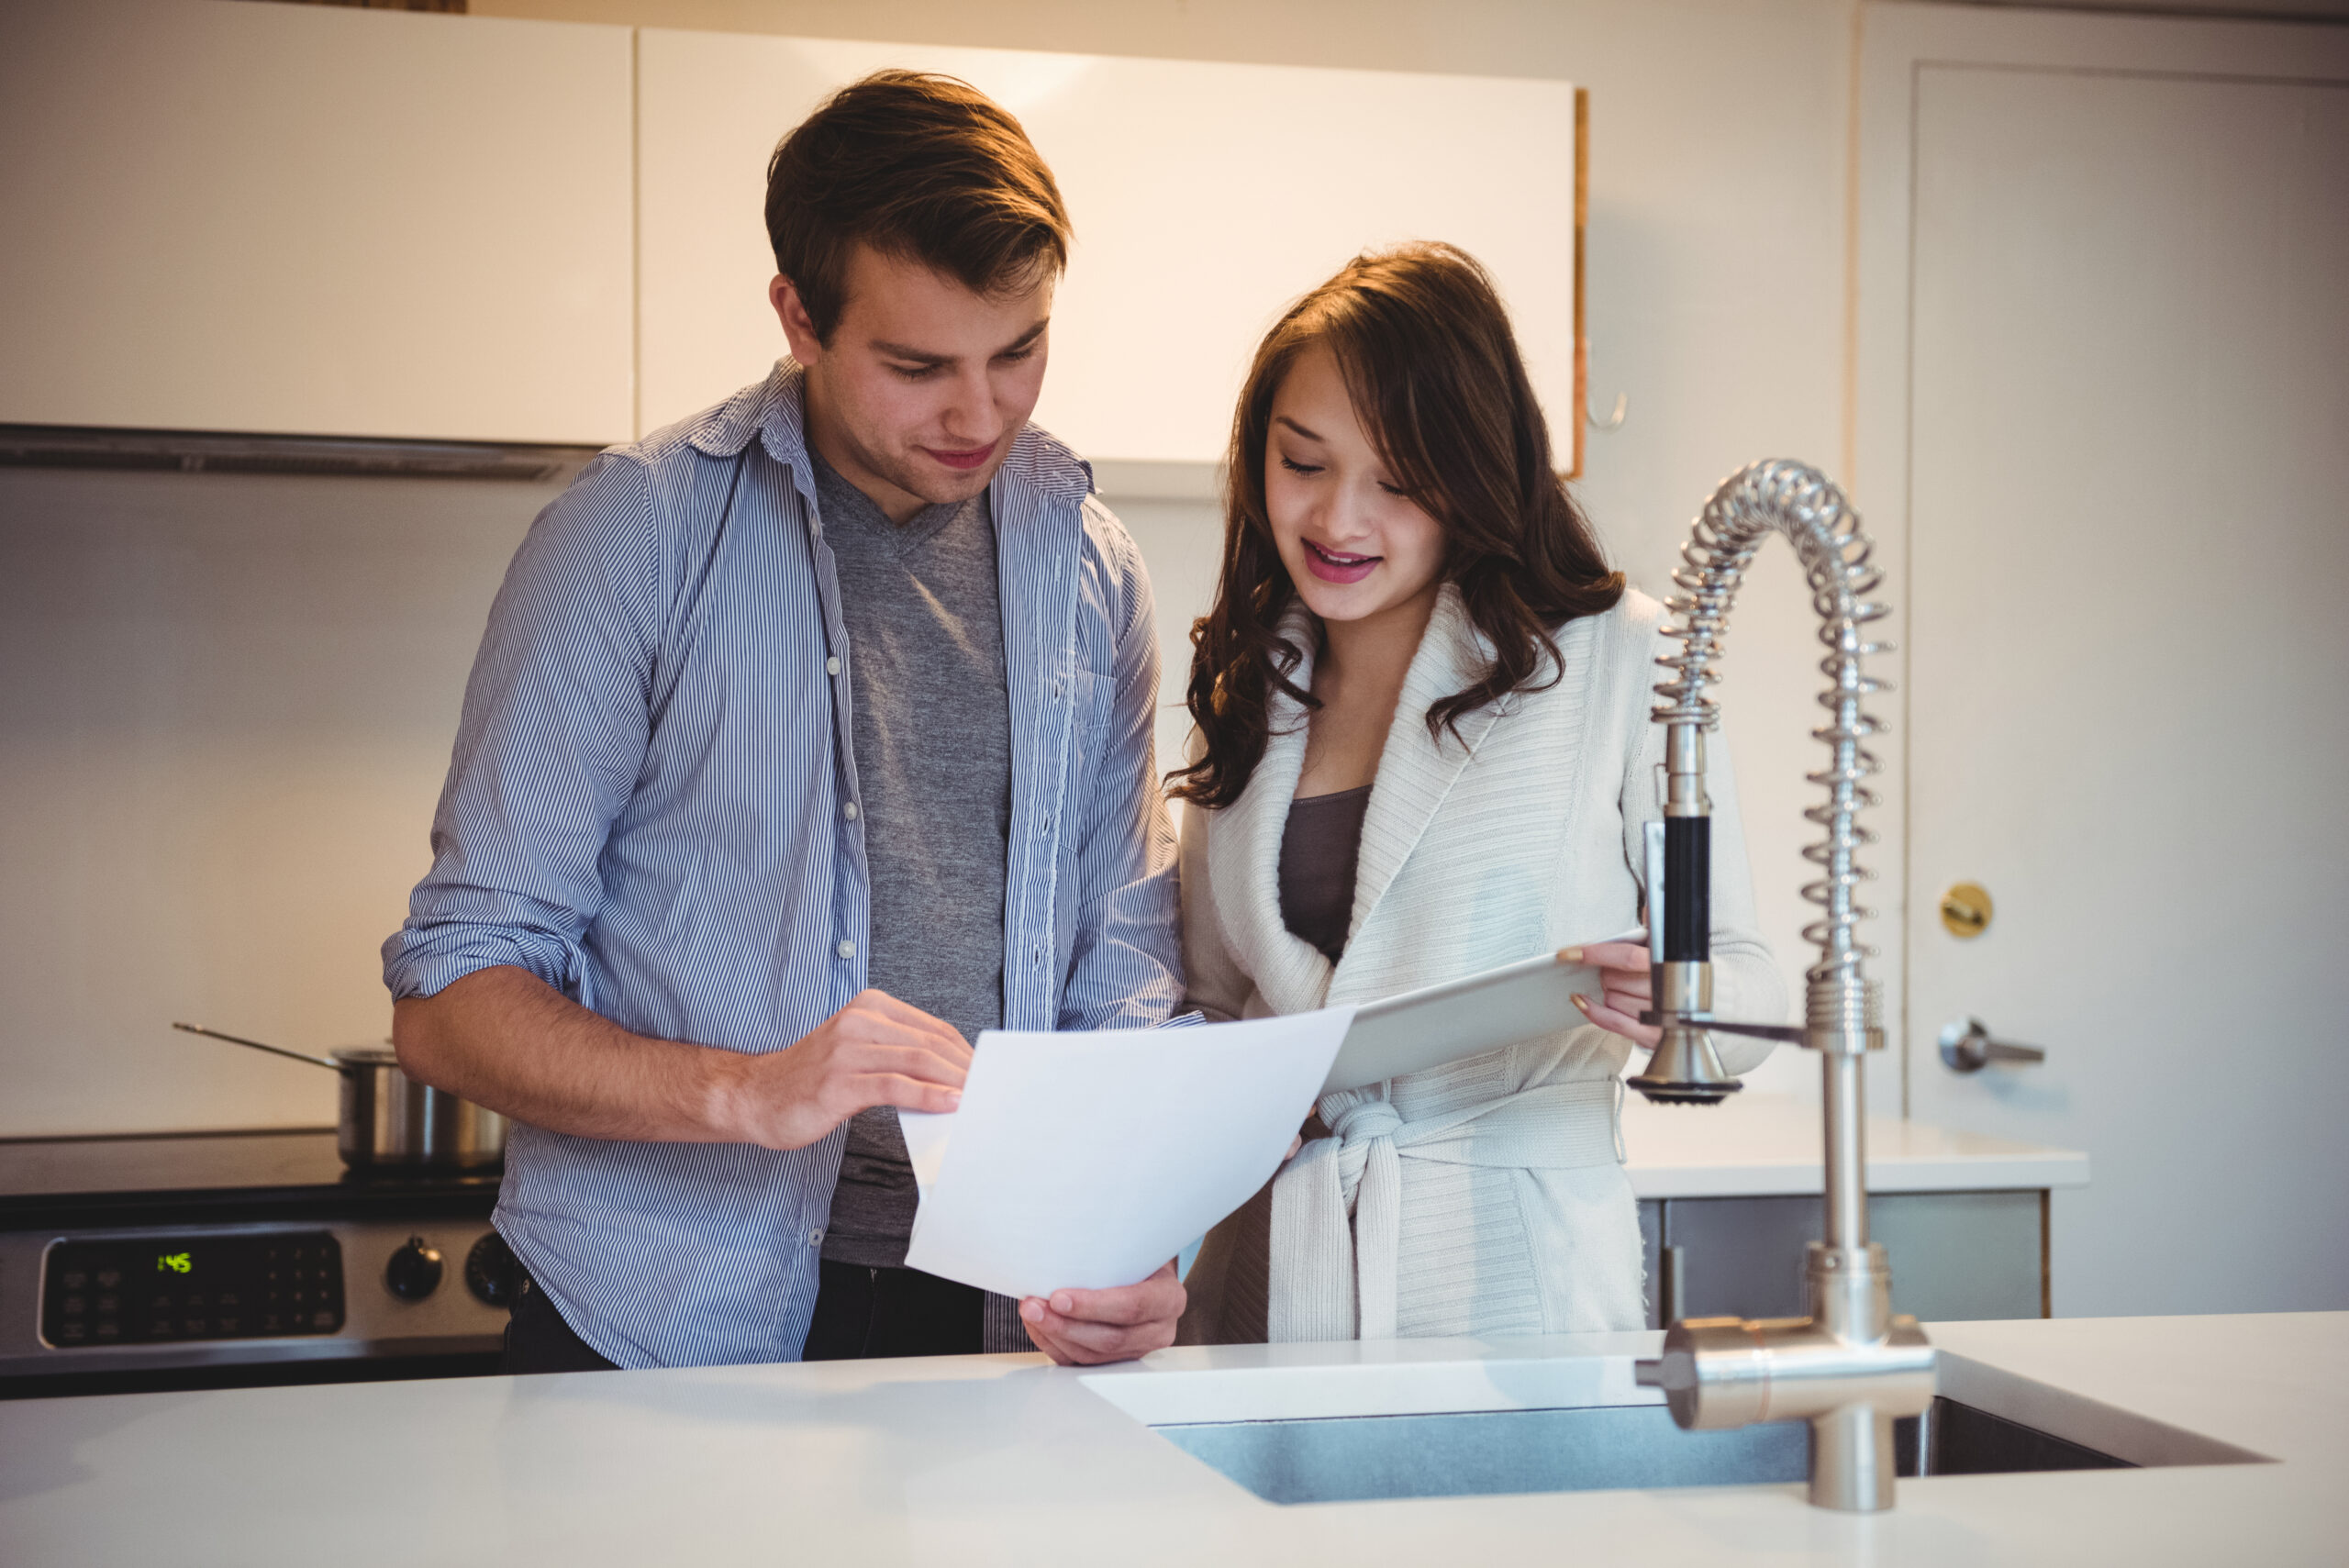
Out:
{"x": 1424, "y": 750}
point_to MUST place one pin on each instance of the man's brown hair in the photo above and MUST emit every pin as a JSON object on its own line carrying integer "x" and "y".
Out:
{"x": 918, "y": 166}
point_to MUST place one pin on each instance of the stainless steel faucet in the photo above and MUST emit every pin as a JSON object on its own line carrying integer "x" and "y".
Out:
{"x": 1851, "y": 1367}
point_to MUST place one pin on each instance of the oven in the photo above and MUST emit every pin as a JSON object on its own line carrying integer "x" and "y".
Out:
{"x": 239, "y": 1258}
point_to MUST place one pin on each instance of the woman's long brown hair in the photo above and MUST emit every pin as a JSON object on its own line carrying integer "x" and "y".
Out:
{"x": 1425, "y": 346}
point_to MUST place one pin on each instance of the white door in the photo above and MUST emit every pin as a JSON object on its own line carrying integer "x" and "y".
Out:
{"x": 2128, "y": 668}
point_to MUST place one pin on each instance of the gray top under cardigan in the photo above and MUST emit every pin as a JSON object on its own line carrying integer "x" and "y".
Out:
{"x": 1318, "y": 849}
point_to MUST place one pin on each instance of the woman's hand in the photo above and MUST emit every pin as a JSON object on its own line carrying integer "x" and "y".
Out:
{"x": 1087, "y": 1328}
{"x": 1623, "y": 973}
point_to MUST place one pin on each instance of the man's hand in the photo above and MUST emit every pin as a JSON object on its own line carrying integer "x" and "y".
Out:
{"x": 1623, "y": 968}
{"x": 876, "y": 1050}
{"x": 1086, "y": 1328}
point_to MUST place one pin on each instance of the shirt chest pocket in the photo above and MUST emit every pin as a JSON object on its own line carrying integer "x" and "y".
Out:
{"x": 1091, "y": 765}
{"x": 1095, "y": 702}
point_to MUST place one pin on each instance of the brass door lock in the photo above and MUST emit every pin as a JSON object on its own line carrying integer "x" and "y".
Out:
{"x": 1965, "y": 910}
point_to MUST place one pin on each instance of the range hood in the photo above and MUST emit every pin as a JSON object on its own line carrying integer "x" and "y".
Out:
{"x": 212, "y": 451}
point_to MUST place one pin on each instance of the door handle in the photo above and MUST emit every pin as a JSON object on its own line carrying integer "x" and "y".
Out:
{"x": 1966, "y": 1046}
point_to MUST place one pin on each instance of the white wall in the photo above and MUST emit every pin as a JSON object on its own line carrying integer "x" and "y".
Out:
{"x": 226, "y": 714}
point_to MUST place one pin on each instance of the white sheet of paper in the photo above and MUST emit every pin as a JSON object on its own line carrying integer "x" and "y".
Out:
{"x": 1087, "y": 1160}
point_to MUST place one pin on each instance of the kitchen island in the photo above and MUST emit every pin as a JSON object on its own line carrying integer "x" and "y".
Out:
{"x": 985, "y": 1460}
{"x": 988, "y": 1458}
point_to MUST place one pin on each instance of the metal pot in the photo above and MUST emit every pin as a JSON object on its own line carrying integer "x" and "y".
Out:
{"x": 390, "y": 1122}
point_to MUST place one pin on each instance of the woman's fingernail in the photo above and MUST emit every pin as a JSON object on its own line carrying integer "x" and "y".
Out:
{"x": 1061, "y": 1303}
{"x": 1572, "y": 955}
{"x": 1032, "y": 1310}
{"x": 1581, "y": 1001}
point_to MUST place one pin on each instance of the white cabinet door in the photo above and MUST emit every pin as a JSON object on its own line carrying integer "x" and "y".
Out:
{"x": 1205, "y": 197}
{"x": 308, "y": 219}
{"x": 2129, "y": 435}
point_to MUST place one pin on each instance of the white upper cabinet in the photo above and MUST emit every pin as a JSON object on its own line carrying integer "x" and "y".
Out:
{"x": 298, "y": 218}
{"x": 308, "y": 220}
{"x": 1204, "y": 198}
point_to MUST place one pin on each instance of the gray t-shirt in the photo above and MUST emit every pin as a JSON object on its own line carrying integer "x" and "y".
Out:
{"x": 933, "y": 734}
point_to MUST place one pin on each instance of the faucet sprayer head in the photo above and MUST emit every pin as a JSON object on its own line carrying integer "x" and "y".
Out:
{"x": 1684, "y": 1070}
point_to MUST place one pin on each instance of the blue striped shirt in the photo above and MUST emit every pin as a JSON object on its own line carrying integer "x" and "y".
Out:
{"x": 647, "y": 808}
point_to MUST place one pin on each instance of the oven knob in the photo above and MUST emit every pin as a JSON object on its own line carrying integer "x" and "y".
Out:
{"x": 413, "y": 1272}
{"x": 489, "y": 1270}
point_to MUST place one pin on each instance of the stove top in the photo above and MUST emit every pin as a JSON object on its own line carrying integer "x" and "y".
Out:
{"x": 46, "y": 1181}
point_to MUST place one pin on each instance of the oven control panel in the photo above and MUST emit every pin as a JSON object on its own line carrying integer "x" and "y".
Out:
{"x": 158, "y": 1297}
{"x": 146, "y": 1290}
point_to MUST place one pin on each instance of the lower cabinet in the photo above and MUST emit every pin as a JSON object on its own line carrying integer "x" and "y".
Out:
{"x": 1955, "y": 1256}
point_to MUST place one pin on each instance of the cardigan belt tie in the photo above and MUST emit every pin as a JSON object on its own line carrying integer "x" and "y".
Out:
{"x": 1341, "y": 1197}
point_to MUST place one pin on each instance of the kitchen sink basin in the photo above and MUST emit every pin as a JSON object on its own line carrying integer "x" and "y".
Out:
{"x": 1450, "y": 1418}
{"x": 1349, "y": 1459}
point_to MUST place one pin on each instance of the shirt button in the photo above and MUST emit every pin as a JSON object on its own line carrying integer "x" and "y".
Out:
{"x": 832, "y": 665}
{"x": 848, "y": 811}
{"x": 846, "y": 948}
{"x": 815, "y": 1238}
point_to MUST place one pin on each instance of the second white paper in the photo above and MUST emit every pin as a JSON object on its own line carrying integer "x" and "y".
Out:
{"x": 1087, "y": 1160}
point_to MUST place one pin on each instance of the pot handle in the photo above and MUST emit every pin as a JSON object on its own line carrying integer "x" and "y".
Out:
{"x": 272, "y": 1050}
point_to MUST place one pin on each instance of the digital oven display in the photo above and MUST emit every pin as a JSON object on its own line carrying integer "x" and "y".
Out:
{"x": 134, "y": 1290}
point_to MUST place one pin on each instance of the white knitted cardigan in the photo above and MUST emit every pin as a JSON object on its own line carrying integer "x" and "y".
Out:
{"x": 1486, "y": 1197}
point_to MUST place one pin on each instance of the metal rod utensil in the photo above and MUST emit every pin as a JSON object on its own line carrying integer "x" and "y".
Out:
{"x": 256, "y": 1045}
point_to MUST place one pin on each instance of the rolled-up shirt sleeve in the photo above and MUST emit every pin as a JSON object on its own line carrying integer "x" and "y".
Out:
{"x": 557, "y": 717}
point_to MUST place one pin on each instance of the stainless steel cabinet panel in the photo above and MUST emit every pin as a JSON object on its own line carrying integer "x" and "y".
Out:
{"x": 1652, "y": 1255}
{"x": 1961, "y": 1256}
{"x": 1955, "y": 1256}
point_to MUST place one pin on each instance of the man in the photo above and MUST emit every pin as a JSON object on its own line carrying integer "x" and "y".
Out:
{"x": 809, "y": 738}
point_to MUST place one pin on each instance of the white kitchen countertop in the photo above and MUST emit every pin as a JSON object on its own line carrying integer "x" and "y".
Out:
{"x": 1754, "y": 1145}
{"x": 983, "y": 1460}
